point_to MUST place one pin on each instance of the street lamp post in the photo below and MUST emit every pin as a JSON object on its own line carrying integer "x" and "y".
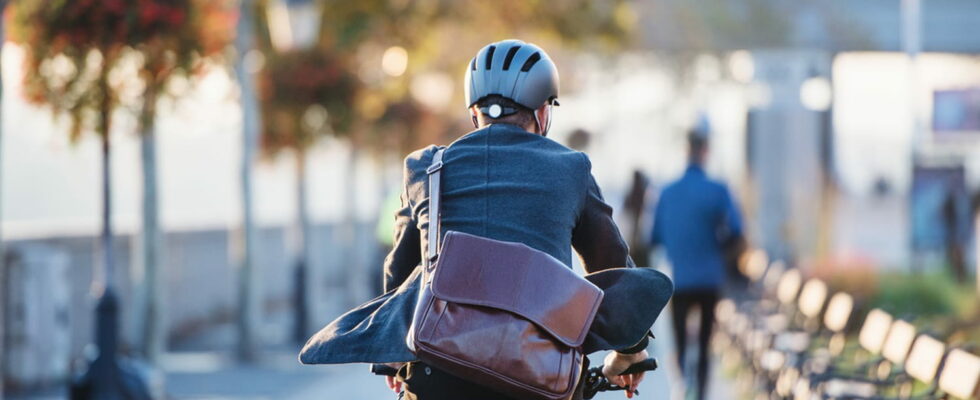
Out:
{"x": 912, "y": 45}
{"x": 248, "y": 62}
{"x": 293, "y": 26}
{"x": 3, "y": 265}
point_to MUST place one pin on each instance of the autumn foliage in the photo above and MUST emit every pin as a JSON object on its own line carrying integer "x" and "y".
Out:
{"x": 305, "y": 93}
{"x": 81, "y": 54}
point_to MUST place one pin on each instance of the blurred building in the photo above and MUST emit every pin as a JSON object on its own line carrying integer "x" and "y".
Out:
{"x": 821, "y": 116}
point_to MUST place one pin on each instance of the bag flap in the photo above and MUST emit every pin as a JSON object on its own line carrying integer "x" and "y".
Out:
{"x": 516, "y": 278}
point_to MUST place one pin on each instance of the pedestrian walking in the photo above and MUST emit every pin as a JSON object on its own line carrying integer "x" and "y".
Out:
{"x": 694, "y": 219}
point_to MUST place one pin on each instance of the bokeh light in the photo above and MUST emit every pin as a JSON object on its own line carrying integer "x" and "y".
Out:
{"x": 741, "y": 66}
{"x": 394, "y": 62}
{"x": 434, "y": 90}
{"x": 816, "y": 93}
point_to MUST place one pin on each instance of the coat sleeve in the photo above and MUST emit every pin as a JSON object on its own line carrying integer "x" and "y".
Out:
{"x": 406, "y": 250}
{"x": 596, "y": 237}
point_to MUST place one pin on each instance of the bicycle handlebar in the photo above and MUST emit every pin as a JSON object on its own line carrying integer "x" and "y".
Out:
{"x": 594, "y": 382}
{"x": 649, "y": 364}
{"x": 383, "y": 370}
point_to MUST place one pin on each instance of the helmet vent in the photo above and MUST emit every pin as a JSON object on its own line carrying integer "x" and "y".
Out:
{"x": 473, "y": 64}
{"x": 533, "y": 59}
{"x": 490, "y": 56}
{"x": 510, "y": 56}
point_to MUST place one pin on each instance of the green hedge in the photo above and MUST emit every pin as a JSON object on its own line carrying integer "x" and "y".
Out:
{"x": 924, "y": 297}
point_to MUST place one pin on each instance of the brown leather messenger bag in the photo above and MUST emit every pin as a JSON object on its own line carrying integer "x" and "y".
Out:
{"x": 500, "y": 314}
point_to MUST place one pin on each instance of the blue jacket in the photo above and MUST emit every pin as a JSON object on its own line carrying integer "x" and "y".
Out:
{"x": 502, "y": 183}
{"x": 694, "y": 217}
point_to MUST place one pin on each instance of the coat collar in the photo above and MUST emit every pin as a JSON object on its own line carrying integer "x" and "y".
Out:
{"x": 694, "y": 170}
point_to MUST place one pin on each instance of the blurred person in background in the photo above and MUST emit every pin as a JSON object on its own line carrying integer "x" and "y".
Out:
{"x": 695, "y": 219}
{"x": 635, "y": 212}
{"x": 953, "y": 234}
{"x": 579, "y": 139}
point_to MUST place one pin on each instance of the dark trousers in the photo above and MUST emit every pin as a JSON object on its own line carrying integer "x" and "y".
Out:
{"x": 681, "y": 304}
{"x": 424, "y": 382}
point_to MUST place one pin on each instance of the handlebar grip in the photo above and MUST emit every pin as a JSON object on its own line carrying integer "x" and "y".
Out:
{"x": 383, "y": 370}
{"x": 649, "y": 364}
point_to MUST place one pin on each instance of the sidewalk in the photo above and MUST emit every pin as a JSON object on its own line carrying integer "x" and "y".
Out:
{"x": 277, "y": 376}
{"x": 280, "y": 376}
{"x": 195, "y": 373}
{"x": 204, "y": 367}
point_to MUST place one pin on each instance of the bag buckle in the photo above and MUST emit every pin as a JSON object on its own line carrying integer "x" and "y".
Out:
{"x": 433, "y": 168}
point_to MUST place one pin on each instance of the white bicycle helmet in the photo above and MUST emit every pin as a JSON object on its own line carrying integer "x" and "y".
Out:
{"x": 515, "y": 70}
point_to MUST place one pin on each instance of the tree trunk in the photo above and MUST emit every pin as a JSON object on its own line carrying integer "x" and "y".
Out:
{"x": 104, "y": 378}
{"x": 151, "y": 321}
{"x": 303, "y": 273}
{"x": 248, "y": 290}
{"x": 109, "y": 266}
{"x": 102, "y": 371}
{"x": 105, "y": 115}
{"x": 107, "y": 324}
{"x": 3, "y": 258}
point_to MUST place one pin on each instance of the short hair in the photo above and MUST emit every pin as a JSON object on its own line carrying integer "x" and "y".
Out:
{"x": 523, "y": 117}
{"x": 696, "y": 141}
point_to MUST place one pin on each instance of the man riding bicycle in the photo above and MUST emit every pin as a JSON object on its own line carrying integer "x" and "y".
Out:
{"x": 504, "y": 181}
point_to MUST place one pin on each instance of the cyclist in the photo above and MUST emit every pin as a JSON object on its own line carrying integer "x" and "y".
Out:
{"x": 508, "y": 181}
{"x": 504, "y": 181}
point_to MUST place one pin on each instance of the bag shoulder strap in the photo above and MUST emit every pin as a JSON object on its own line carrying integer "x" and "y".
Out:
{"x": 435, "y": 174}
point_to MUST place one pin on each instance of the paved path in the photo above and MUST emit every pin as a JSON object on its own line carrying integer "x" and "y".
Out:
{"x": 209, "y": 376}
{"x": 203, "y": 375}
{"x": 277, "y": 376}
{"x": 197, "y": 374}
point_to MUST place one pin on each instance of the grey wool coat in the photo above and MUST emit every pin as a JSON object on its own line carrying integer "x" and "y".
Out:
{"x": 502, "y": 183}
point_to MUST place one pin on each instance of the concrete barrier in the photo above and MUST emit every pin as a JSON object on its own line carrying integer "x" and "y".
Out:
{"x": 37, "y": 334}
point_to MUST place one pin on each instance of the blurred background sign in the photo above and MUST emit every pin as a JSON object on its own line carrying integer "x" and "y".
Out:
{"x": 956, "y": 112}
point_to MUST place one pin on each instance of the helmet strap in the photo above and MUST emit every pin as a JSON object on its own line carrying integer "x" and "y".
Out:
{"x": 537, "y": 123}
{"x": 543, "y": 130}
{"x": 496, "y": 111}
{"x": 551, "y": 115}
